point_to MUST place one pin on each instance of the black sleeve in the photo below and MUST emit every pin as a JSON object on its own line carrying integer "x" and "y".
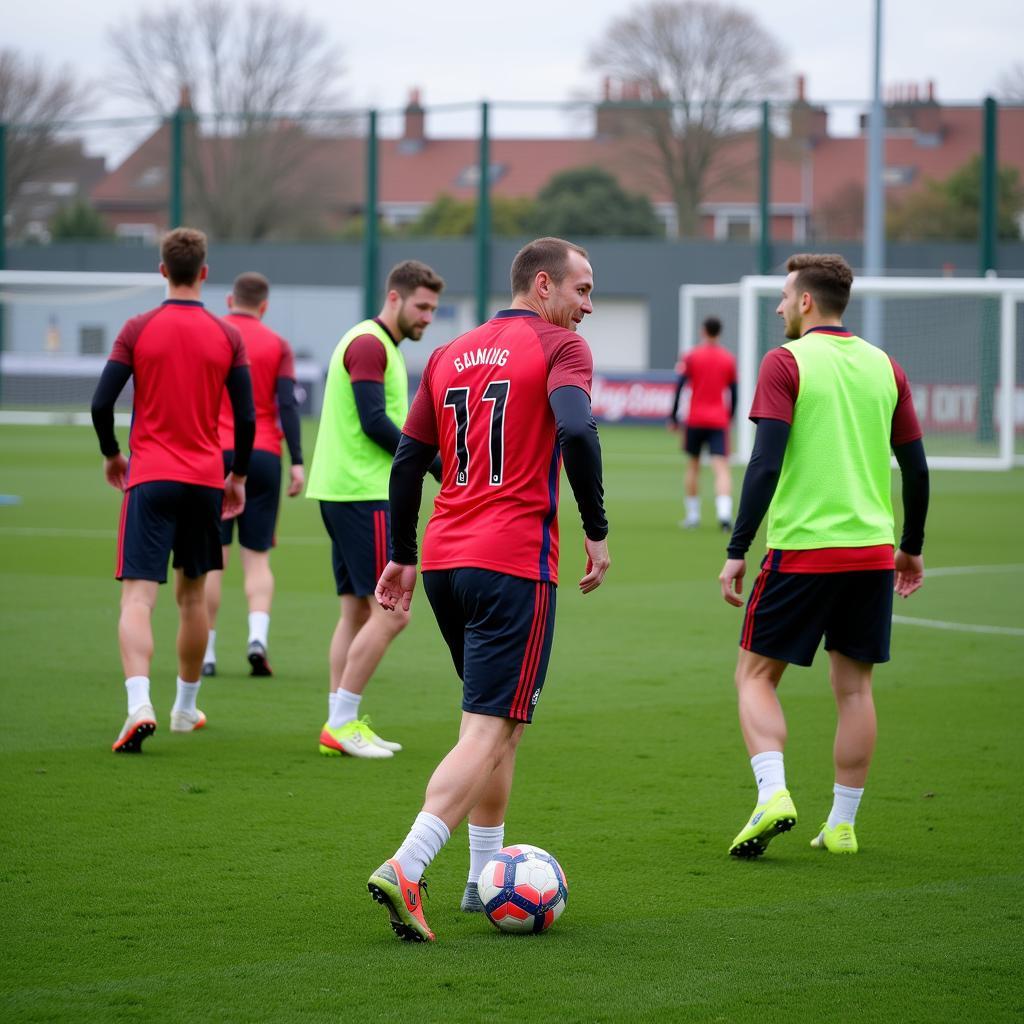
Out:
{"x": 412, "y": 460}
{"x": 581, "y": 453}
{"x": 680, "y": 384}
{"x": 376, "y": 424}
{"x": 914, "y": 474}
{"x": 239, "y": 385}
{"x": 759, "y": 483}
{"x": 288, "y": 412}
{"x": 733, "y": 400}
{"x": 111, "y": 383}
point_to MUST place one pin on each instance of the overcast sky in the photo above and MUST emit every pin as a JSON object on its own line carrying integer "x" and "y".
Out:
{"x": 536, "y": 49}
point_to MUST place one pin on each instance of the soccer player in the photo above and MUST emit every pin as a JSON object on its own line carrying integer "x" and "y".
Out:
{"x": 181, "y": 357}
{"x": 272, "y": 366}
{"x": 828, "y": 408}
{"x": 366, "y": 399}
{"x": 505, "y": 404}
{"x": 709, "y": 369}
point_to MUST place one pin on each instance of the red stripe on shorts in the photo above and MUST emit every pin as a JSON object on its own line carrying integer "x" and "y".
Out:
{"x": 379, "y": 540}
{"x": 119, "y": 568}
{"x": 748, "y": 622}
{"x": 531, "y": 659}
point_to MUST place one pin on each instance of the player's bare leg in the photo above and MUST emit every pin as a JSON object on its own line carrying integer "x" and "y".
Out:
{"x": 259, "y": 594}
{"x": 691, "y": 485}
{"x": 135, "y": 639}
{"x": 487, "y": 822}
{"x": 193, "y": 627}
{"x": 214, "y": 592}
{"x": 360, "y": 639}
{"x": 723, "y": 490}
{"x": 856, "y": 730}
{"x": 764, "y": 732}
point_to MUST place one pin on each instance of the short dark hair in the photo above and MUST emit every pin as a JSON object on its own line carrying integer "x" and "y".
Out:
{"x": 183, "y": 253}
{"x": 712, "y": 327}
{"x": 548, "y": 254}
{"x": 828, "y": 278}
{"x": 407, "y": 276}
{"x": 250, "y": 290}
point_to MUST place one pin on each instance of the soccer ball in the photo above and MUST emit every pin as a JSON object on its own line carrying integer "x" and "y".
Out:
{"x": 523, "y": 889}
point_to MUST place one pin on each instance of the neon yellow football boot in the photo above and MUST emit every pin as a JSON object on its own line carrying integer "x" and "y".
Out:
{"x": 769, "y": 819}
{"x": 841, "y": 839}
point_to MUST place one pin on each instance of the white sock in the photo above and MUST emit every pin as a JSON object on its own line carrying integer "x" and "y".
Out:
{"x": 693, "y": 508}
{"x": 186, "y": 699}
{"x": 423, "y": 843}
{"x": 723, "y": 507}
{"x": 259, "y": 626}
{"x": 484, "y": 842}
{"x": 844, "y": 805}
{"x": 343, "y": 707}
{"x": 211, "y": 643}
{"x": 769, "y": 774}
{"x": 138, "y": 693}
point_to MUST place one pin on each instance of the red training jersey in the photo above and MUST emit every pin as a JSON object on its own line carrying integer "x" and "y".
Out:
{"x": 180, "y": 357}
{"x": 483, "y": 401}
{"x": 270, "y": 357}
{"x": 710, "y": 370}
{"x": 778, "y": 384}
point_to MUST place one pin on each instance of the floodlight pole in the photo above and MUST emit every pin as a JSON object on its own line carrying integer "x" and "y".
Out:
{"x": 371, "y": 230}
{"x": 176, "y": 208}
{"x": 874, "y": 207}
{"x": 764, "y": 248}
{"x": 3, "y": 196}
{"x": 483, "y": 218}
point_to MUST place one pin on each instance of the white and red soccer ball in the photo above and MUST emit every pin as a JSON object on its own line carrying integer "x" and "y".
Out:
{"x": 523, "y": 889}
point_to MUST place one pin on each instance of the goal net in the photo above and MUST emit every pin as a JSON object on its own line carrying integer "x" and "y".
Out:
{"x": 961, "y": 342}
{"x": 57, "y": 329}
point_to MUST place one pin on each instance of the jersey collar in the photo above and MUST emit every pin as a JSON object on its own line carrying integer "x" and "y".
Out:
{"x": 182, "y": 302}
{"x": 506, "y": 314}
{"x": 384, "y": 327}
{"x": 838, "y": 332}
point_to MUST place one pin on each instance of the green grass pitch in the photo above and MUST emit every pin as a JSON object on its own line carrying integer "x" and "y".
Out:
{"x": 221, "y": 876}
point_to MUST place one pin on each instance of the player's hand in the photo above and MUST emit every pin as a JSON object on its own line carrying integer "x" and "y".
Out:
{"x": 671, "y": 424}
{"x": 909, "y": 573}
{"x": 597, "y": 564}
{"x": 234, "y": 496}
{"x": 395, "y": 586}
{"x": 731, "y": 579}
{"x": 115, "y": 469}
{"x": 297, "y": 481}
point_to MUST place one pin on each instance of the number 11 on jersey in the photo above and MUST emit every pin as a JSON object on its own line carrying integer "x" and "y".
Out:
{"x": 457, "y": 399}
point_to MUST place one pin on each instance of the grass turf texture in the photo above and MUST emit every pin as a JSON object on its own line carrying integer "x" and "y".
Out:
{"x": 221, "y": 875}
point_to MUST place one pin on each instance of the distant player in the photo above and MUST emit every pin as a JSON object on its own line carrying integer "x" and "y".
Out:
{"x": 366, "y": 399}
{"x": 272, "y": 366}
{"x": 505, "y": 404}
{"x": 828, "y": 408}
{"x": 181, "y": 358}
{"x": 710, "y": 370}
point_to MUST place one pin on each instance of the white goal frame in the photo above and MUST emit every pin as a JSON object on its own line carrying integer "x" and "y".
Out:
{"x": 749, "y": 290}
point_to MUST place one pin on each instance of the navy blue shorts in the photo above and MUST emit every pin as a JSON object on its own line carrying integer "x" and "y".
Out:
{"x": 789, "y": 612}
{"x": 162, "y": 516}
{"x": 360, "y": 533}
{"x": 697, "y": 437}
{"x": 258, "y": 521}
{"x": 499, "y": 629}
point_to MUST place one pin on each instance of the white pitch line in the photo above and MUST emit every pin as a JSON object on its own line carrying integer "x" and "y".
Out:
{"x": 958, "y": 627}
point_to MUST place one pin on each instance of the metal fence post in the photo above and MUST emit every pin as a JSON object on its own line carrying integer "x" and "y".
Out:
{"x": 176, "y": 208}
{"x": 764, "y": 249}
{"x": 988, "y": 261}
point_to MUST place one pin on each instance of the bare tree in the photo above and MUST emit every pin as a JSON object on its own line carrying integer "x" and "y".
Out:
{"x": 1011, "y": 83}
{"x": 34, "y": 102}
{"x": 252, "y": 70}
{"x": 703, "y": 65}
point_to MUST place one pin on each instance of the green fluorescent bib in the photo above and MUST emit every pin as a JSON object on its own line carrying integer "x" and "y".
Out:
{"x": 835, "y": 486}
{"x": 347, "y": 465}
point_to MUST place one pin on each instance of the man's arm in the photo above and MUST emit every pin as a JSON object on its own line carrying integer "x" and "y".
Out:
{"x": 733, "y": 401}
{"x": 674, "y": 414}
{"x": 759, "y": 483}
{"x": 916, "y": 489}
{"x": 405, "y": 491}
{"x": 581, "y": 454}
{"x": 291, "y": 426}
{"x": 111, "y": 383}
{"x": 376, "y": 423}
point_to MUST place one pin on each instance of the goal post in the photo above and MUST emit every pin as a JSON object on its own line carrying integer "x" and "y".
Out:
{"x": 959, "y": 339}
